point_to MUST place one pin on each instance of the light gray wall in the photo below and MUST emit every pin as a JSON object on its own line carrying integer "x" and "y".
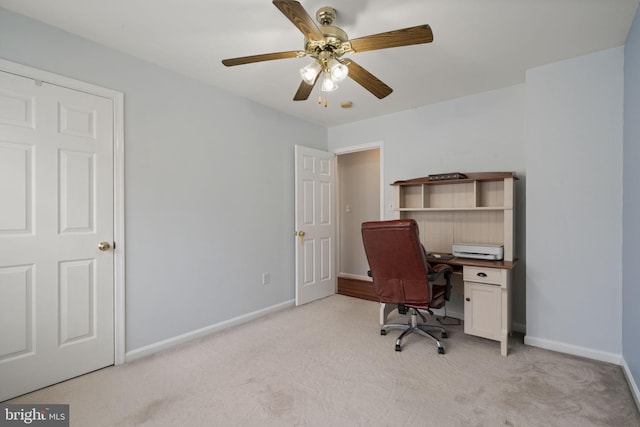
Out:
{"x": 477, "y": 133}
{"x": 574, "y": 204}
{"x": 631, "y": 203}
{"x": 209, "y": 186}
{"x": 359, "y": 185}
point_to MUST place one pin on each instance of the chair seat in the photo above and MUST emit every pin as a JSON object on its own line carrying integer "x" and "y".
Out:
{"x": 437, "y": 299}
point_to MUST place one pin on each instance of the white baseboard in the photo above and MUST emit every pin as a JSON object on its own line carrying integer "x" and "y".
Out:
{"x": 355, "y": 277}
{"x": 199, "y": 333}
{"x": 632, "y": 384}
{"x": 561, "y": 347}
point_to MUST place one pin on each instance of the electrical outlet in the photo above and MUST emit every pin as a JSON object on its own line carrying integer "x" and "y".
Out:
{"x": 266, "y": 278}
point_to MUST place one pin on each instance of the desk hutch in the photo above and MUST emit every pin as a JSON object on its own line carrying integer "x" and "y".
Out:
{"x": 475, "y": 209}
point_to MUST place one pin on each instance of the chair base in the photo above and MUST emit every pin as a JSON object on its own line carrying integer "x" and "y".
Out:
{"x": 419, "y": 328}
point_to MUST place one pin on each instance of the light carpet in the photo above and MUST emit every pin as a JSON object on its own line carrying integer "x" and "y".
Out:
{"x": 326, "y": 364}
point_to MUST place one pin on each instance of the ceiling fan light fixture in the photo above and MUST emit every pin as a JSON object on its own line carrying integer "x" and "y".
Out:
{"x": 328, "y": 84}
{"x": 310, "y": 71}
{"x": 338, "y": 70}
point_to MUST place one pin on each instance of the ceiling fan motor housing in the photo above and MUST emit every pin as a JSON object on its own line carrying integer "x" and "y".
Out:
{"x": 335, "y": 42}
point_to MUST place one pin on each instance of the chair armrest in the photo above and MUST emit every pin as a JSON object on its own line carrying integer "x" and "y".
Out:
{"x": 438, "y": 271}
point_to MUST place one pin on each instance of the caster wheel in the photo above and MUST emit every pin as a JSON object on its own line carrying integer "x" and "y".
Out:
{"x": 398, "y": 348}
{"x": 383, "y": 332}
{"x": 440, "y": 350}
{"x": 445, "y": 335}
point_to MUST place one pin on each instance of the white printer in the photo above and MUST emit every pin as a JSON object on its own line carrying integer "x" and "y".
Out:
{"x": 478, "y": 251}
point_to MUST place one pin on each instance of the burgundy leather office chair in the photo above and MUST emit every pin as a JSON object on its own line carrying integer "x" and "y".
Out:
{"x": 402, "y": 276}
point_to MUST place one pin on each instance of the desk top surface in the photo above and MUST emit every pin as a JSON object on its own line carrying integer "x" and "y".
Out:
{"x": 471, "y": 262}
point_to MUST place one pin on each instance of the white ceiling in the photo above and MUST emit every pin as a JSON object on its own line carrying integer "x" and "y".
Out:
{"x": 478, "y": 45}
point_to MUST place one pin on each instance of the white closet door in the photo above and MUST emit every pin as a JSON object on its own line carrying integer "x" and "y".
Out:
{"x": 56, "y": 195}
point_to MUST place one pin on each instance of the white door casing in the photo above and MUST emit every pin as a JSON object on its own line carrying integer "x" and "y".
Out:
{"x": 315, "y": 224}
{"x": 57, "y": 192}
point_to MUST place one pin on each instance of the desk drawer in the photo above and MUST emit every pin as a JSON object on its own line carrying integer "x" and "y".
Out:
{"x": 484, "y": 275}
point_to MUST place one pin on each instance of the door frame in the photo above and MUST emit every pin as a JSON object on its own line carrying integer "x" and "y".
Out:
{"x": 118, "y": 183}
{"x": 376, "y": 145}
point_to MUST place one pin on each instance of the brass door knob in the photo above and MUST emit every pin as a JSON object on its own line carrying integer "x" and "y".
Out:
{"x": 301, "y": 233}
{"x": 104, "y": 246}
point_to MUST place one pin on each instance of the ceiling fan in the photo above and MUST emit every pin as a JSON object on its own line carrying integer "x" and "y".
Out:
{"x": 327, "y": 44}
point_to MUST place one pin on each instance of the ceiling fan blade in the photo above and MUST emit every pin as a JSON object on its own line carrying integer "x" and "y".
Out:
{"x": 396, "y": 38}
{"x": 368, "y": 80}
{"x": 259, "y": 58}
{"x": 304, "y": 90}
{"x": 300, "y": 18}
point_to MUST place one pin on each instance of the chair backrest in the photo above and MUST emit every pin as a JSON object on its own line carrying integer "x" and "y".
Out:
{"x": 397, "y": 261}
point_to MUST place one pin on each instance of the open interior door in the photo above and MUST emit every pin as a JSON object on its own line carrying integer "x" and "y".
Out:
{"x": 315, "y": 224}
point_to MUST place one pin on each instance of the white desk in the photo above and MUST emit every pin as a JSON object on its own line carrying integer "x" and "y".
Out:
{"x": 477, "y": 208}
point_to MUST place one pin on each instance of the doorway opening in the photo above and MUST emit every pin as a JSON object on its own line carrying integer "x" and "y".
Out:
{"x": 360, "y": 198}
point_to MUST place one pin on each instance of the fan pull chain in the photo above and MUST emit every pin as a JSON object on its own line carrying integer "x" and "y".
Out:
{"x": 326, "y": 102}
